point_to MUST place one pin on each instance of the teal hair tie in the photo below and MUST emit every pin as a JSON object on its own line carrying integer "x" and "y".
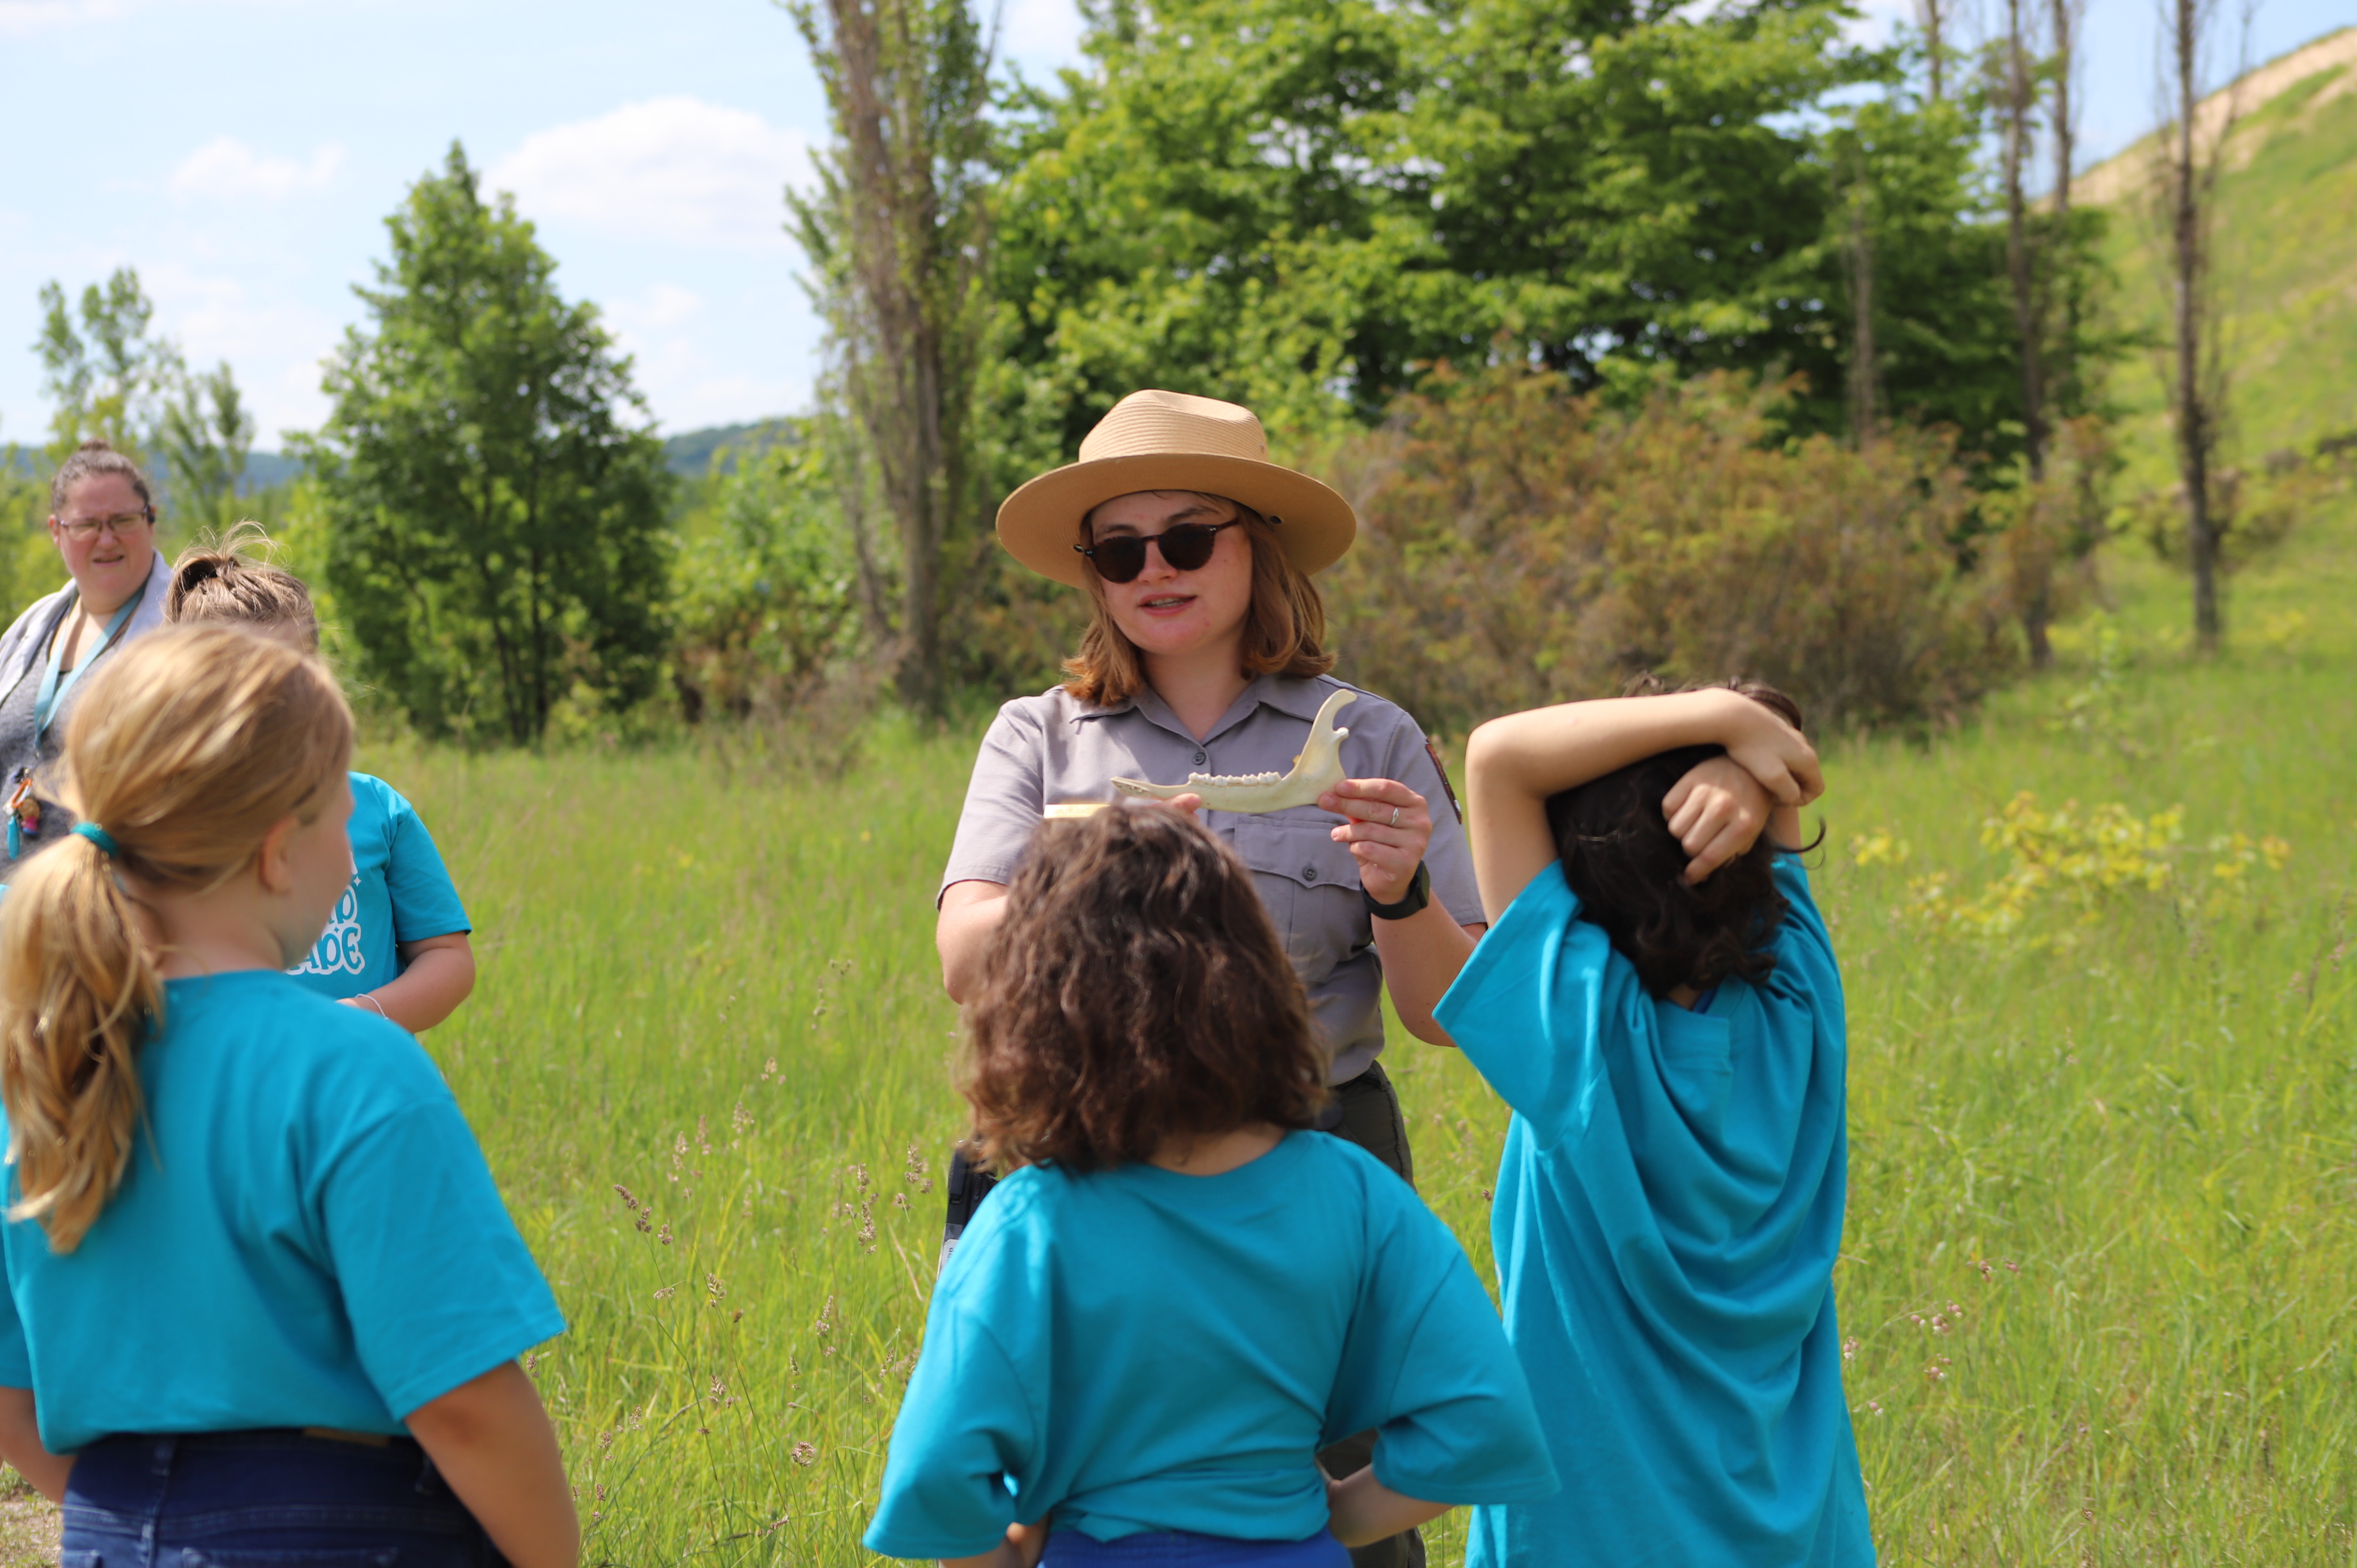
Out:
{"x": 97, "y": 835}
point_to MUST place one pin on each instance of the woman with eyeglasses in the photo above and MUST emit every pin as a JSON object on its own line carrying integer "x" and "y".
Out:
{"x": 1205, "y": 653}
{"x": 102, "y": 520}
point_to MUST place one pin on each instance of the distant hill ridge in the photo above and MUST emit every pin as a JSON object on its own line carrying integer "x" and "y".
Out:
{"x": 2285, "y": 252}
{"x": 689, "y": 454}
{"x": 2132, "y": 171}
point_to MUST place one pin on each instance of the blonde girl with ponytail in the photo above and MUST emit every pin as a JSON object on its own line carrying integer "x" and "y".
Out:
{"x": 261, "y": 1292}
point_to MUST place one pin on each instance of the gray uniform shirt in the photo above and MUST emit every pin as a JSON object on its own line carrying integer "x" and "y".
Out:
{"x": 1051, "y": 749}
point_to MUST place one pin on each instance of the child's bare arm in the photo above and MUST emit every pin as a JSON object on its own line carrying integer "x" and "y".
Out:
{"x": 491, "y": 1441}
{"x": 1365, "y": 1510}
{"x": 440, "y": 975}
{"x": 1514, "y": 764}
{"x": 20, "y": 1444}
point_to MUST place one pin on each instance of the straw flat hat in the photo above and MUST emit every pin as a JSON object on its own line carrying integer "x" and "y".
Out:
{"x": 1170, "y": 441}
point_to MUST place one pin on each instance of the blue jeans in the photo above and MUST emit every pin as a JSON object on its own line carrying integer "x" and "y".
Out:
{"x": 264, "y": 1500}
{"x": 1184, "y": 1549}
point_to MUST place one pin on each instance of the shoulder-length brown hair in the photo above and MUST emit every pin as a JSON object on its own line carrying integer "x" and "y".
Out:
{"x": 1136, "y": 992}
{"x": 1285, "y": 628}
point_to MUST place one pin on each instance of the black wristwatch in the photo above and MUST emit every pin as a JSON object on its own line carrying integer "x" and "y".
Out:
{"x": 1411, "y": 902}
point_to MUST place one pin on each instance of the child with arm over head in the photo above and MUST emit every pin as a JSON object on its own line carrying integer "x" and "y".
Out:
{"x": 1181, "y": 1294}
{"x": 262, "y": 1299}
{"x": 1658, "y": 1001}
{"x": 397, "y": 944}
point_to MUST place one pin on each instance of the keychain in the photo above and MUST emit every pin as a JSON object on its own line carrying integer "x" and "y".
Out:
{"x": 24, "y": 812}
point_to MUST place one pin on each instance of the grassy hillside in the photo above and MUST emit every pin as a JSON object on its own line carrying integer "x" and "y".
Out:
{"x": 2287, "y": 258}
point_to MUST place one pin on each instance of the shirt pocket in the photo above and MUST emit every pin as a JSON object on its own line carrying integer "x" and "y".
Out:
{"x": 1310, "y": 885}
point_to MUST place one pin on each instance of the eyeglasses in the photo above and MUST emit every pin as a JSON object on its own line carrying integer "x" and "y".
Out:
{"x": 1184, "y": 549}
{"x": 85, "y": 529}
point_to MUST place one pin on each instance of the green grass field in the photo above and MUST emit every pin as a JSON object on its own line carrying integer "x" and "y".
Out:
{"x": 2101, "y": 1260}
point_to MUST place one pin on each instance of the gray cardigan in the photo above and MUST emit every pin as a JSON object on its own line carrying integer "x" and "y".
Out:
{"x": 22, "y": 645}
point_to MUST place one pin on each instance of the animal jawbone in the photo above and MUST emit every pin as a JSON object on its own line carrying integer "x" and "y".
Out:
{"x": 1317, "y": 770}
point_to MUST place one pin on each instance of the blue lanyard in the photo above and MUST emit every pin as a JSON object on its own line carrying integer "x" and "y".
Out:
{"x": 53, "y": 690}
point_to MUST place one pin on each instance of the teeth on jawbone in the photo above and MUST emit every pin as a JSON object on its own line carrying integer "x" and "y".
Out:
{"x": 1317, "y": 770}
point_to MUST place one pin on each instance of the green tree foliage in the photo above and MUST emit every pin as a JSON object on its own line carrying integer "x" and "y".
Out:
{"x": 205, "y": 434}
{"x": 764, "y": 597}
{"x": 106, "y": 377}
{"x": 1305, "y": 205}
{"x": 496, "y": 502}
{"x": 111, "y": 377}
{"x": 29, "y": 565}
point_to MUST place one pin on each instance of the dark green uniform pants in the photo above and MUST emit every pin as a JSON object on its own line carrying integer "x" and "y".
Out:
{"x": 1372, "y": 1120}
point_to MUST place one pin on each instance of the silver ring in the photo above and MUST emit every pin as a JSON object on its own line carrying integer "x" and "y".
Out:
{"x": 1395, "y": 811}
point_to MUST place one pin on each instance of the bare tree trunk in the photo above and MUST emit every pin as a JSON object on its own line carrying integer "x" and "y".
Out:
{"x": 1934, "y": 17}
{"x": 849, "y": 462}
{"x": 2067, "y": 13}
{"x": 2061, "y": 296}
{"x": 2018, "y": 100}
{"x": 2197, "y": 390}
{"x": 1863, "y": 412}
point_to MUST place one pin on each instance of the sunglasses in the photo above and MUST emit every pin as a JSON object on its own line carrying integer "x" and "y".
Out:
{"x": 1184, "y": 548}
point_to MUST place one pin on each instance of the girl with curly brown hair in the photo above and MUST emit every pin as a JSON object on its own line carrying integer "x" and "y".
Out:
{"x": 1182, "y": 1292}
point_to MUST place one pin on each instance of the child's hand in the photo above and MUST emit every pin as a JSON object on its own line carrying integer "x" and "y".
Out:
{"x": 1027, "y": 1541}
{"x": 1773, "y": 752}
{"x": 1362, "y": 1510}
{"x": 1715, "y": 812}
{"x": 1021, "y": 1549}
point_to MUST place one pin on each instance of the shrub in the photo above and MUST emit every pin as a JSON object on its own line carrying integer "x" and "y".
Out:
{"x": 1523, "y": 545}
{"x": 763, "y": 596}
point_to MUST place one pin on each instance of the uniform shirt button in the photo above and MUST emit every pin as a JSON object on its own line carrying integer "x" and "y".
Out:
{"x": 1199, "y": 759}
{"x": 1309, "y": 874}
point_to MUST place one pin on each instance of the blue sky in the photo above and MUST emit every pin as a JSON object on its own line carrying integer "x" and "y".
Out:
{"x": 242, "y": 154}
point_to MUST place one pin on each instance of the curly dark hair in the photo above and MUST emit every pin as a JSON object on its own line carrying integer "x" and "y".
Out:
{"x": 1136, "y": 992}
{"x": 1629, "y": 870}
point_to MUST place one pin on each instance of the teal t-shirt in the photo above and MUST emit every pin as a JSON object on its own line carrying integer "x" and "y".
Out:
{"x": 399, "y": 892}
{"x": 1667, "y": 1215}
{"x": 1142, "y": 1350}
{"x": 306, "y": 1235}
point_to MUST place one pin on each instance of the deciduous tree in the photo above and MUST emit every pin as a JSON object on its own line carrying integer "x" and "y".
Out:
{"x": 898, "y": 239}
{"x": 107, "y": 377}
{"x": 495, "y": 497}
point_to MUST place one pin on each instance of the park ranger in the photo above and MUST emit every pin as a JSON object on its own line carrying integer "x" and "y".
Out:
{"x": 1204, "y": 654}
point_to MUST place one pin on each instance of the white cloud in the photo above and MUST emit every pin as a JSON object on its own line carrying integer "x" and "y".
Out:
{"x": 228, "y": 167}
{"x": 676, "y": 168}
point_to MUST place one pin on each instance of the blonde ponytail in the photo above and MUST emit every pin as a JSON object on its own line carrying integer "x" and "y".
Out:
{"x": 189, "y": 745}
